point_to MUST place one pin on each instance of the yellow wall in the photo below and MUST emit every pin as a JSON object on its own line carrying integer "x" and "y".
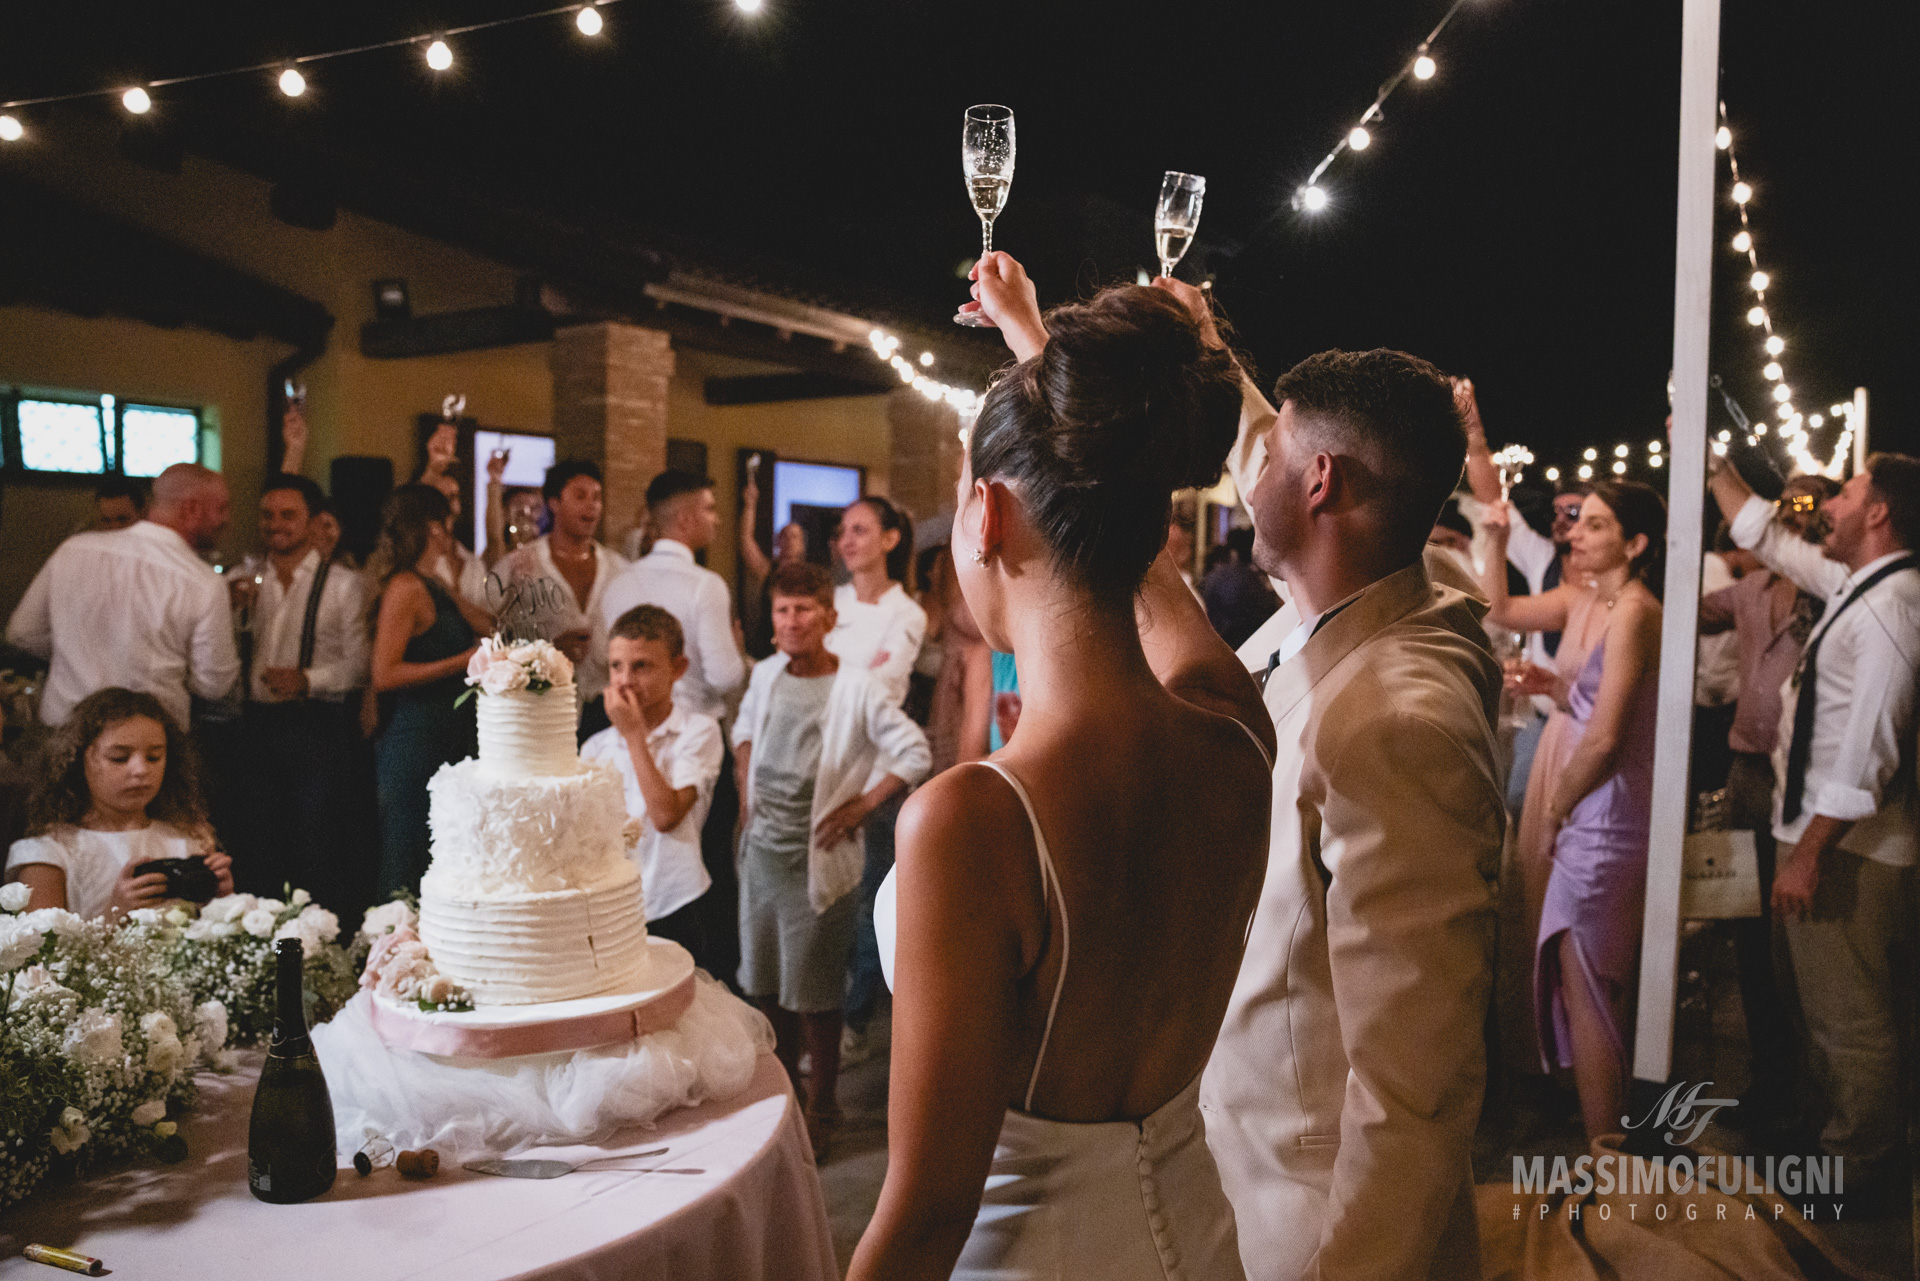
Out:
{"x": 355, "y": 405}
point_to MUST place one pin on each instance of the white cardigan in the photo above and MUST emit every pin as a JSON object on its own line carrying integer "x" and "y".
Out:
{"x": 865, "y": 737}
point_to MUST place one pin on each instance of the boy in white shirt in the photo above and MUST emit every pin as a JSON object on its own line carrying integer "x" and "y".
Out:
{"x": 669, "y": 759}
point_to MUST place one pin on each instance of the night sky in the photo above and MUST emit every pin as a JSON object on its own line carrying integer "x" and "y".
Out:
{"x": 1513, "y": 220}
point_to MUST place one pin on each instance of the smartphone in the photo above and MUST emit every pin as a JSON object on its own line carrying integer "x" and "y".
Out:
{"x": 296, "y": 393}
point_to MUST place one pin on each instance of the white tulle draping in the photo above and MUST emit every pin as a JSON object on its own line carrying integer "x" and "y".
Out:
{"x": 466, "y": 1108}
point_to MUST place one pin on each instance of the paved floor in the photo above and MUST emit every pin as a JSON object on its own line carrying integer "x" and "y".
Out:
{"x": 1524, "y": 1117}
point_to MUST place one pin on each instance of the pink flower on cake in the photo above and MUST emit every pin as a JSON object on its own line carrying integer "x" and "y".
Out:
{"x": 499, "y": 668}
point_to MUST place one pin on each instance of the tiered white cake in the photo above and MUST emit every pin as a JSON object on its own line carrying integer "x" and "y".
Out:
{"x": 531, "y": 896}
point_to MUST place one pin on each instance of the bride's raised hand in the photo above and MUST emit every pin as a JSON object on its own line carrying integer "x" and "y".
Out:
{"x": 1002, "y": 291}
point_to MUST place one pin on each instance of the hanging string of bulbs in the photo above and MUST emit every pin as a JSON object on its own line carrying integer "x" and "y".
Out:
{"x": 1312, "y": 197}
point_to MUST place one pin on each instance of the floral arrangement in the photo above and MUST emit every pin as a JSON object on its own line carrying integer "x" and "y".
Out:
{"x": 224, "y": 953}
{"x": 500, "y": 667}
{"x": 99, "y": 1039}
{"x": 398, "y": 965}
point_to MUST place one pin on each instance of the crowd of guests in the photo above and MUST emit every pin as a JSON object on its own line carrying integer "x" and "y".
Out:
{"x": 1293, "y": 851}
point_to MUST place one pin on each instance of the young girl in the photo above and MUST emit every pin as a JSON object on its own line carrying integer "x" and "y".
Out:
{"x": 117, "y": 789}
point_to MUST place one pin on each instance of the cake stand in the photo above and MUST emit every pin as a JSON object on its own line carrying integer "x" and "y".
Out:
{"x": 663, "y": 993}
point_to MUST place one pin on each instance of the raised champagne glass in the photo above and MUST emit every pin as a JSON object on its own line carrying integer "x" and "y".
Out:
{"x": 986, "y": 157}
{"x": 1176, "y": 218}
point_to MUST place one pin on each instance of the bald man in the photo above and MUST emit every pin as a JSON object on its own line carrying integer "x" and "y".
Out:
{"x": 137, "y": 607}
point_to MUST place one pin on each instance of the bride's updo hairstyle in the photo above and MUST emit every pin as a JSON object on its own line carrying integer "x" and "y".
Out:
{"x": 1123, "y": 406}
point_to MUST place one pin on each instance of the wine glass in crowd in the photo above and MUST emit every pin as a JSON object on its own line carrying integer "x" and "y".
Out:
{"x": 986, "y": 156}
{"x": 1177, "y": 218}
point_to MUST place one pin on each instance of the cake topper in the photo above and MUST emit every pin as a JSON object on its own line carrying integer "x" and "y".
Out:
{"x": 453, "y": 406}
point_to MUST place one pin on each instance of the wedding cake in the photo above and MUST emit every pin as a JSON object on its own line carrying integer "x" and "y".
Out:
{"x": 531, "y": 896}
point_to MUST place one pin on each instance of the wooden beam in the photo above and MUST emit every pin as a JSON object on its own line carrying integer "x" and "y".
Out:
{"x": 1686, "y": 489}
{"x": 452, "y": 331}
{"x": 765, "y": 389}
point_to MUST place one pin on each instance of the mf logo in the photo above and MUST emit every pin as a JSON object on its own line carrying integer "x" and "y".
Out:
{"x": 1682, "y": 1113}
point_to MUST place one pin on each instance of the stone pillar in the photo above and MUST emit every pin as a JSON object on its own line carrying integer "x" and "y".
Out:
{"x": 925, "y": 464}
{"x": 610, "y": 405}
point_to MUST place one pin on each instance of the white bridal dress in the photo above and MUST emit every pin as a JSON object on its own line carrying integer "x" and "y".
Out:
{"x": 1118, "y": 1200}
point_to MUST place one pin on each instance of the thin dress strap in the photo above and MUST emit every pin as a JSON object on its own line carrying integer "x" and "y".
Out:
{"x": 1258, "y": 746}
{"x": 1049, "y": 887}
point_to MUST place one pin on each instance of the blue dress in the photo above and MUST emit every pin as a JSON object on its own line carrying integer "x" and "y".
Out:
{"x": 426, "y": 732}
{"x": 1598, "y": 887}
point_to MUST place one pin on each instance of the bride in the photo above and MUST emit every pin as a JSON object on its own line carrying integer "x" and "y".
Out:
{"x": 1070, "y": 916}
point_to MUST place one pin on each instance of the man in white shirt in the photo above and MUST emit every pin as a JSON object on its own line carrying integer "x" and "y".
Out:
{"x": 556, "y": 586}
{"x": 137, "y": 607}
{"x": 1845, "y": 802}
{"x": 669, "y": 760}
{"x": 310, "y": 649}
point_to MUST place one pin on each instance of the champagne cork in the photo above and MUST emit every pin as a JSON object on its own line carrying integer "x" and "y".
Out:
{"x": 423, "y": 1164}
{"x": 68, "y": 1259}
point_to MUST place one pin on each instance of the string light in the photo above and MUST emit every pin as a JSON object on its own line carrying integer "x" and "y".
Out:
{"x": 1590, "y": 454}
{"x": 1359, "y": 139}
{"x": 439, "y": 56}
{"x": 1775, "y": 344}
{"x": 1313, "y": 199}
{"x": 1654, "y": 447}
{"x": 1818, "y": 420}
{"x": 1424, "y": 66}
{"x": 589, "y": 21}
{"x": 1756, "y": 315}
{"x": 1620, "y": 469}
{"x": 11, "y": 130}
{"x": 1772, "y": 373}
{"x": 1741, "y": 192}
{"x": 137, "y": 101}
{"x": 1585, "y": 472}
{"x": 292, "y": 83}
{"x": 1783, "y": 392}
{"x": 1656, "y": 461}
{"x": 926, "y": 359}
{"x": 1619, "y": 451}
{"x": 1552, "y": 474}
{"x": 1723, "y": 137}
{"x": 1760, "y": 280}
{"x": 747, "y": 6}
{"x": 887, "y": 347}
{"x": 1742, "y": 241}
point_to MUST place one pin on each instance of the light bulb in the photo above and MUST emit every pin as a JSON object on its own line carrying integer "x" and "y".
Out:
{"x": 1313, "y": 199}
{"x": 1655, "y": 461}
{"x": 1654, "y": 447}
{"x": 1760, "y": 280}
{"x": 136, "y": 101}
{"x": 1619, "y": 451}
{"x": 1620, "y": 469}
{"x": 926, "y": 359}
{"x": 1742, "y": 241}
{"x": 1759, "y": 429}
{"x": 439, "y": 57}
{"x": 1839, "y": 409}
{"x": 1818, "y": 420}
{"x": 1424, "y": 67}
{"x": 292, "y": 83}
{"x": 1726, "y": 435}
{"x": 11, "y": 130}
{"x": 588, "y": 20}
{"x": 1783, "y": 393}
{"x": 1585, "y": 472}
{"x": 1787, "y": 412}
{"x": 747, "y": 6}
{"x": 1742, "y": 193}
{"x": 1756, "y": 315}
{"x": 1359, "y": 139}
{"x": 1720, "y": 448}
{"x": 1772, "y": 372}
{"x": 1552, "y": 474}
{"x": 1590, "y": 454}
{"x": 1723, "y": 137}
{"x": 1775, "y": 344}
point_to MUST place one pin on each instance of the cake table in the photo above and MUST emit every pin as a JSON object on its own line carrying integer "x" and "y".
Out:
{"x": 756, "y": 1212}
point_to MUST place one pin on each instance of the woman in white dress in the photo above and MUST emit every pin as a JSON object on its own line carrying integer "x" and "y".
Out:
{"x": 1070, "y": 916}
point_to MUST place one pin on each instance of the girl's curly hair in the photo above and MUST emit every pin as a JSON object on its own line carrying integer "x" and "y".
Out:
{"x": 60, "y": 797}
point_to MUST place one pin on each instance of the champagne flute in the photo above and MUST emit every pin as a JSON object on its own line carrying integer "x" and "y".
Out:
{"x": 1177, "y": 217}
{"x": 986, "y": 156}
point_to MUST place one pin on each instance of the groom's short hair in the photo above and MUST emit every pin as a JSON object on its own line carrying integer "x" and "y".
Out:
{"x": 1394, "y": 412}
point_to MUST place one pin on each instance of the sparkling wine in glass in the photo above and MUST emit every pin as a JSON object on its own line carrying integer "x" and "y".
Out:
{"x": 986, "y": 157}
{"x": 1177, "y": 217}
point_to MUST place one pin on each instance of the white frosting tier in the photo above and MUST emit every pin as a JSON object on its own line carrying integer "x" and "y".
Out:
{"x": 522, "y": 949}
{"x": 495, "y": 836}
{"x": 524, "y": 734}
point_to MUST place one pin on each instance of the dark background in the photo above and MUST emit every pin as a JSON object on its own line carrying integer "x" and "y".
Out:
{"x": 1513, "y": 220}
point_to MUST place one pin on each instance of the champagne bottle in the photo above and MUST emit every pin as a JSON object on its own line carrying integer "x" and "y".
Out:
{"x": 290, "y": 1154}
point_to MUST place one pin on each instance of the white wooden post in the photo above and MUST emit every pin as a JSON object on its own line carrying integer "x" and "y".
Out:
{"x": 1692, "y": 304}
{"x": 1860, "y": 446}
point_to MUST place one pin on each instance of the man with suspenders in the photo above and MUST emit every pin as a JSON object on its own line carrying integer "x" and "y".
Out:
{"x": 305, "y": 650}
{"x": 1845, "y": 809}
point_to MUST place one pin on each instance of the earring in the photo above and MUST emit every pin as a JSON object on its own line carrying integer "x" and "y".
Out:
{"x": 979, "y": 555}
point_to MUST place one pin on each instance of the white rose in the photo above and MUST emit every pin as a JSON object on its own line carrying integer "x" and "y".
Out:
{"x": 300, "y": 899}
{"x": 166, "y": 1055}
{"x": 555, "y": 666}
{"x": 230, "y": 908}
{"x": 158, "y": 1025}
{"x": 149, "y": 916}
{"x": 210, "y": 1024}
{"x": 225, "y": 929}
{"x": 199, "y": 930}
{"x": 19, "y": 943}
{"x": 273, "y": 905}
{"x": 324, "y": 924}
{"x": 385, "y": 919}
{"x": 149, "y": 1112}
{"x": 524, "y": 654}
{"x": 53, "y": 920}
{"x": 259, "y": 922}
{"x": 483, "y": 658}
{"x": 14, "y": 896}
{"x": 94, "y": 1038}
{"x": 503, "y": 678}
{"x": 71, "y": 1133}
{"x": 299, "y": 929}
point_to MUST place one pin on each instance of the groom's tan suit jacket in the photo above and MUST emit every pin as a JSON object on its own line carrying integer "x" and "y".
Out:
{"x": 1341, "y": 1098}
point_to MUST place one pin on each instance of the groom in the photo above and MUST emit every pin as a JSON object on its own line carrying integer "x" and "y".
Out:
{"x": 1342, "y": 1095}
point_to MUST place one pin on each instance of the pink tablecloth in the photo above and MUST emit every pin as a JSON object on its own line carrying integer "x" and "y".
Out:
{"x": 756, "y": 1212}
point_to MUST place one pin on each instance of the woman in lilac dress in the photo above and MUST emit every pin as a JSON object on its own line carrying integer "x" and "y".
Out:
{"x": 1587, "y": 958}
